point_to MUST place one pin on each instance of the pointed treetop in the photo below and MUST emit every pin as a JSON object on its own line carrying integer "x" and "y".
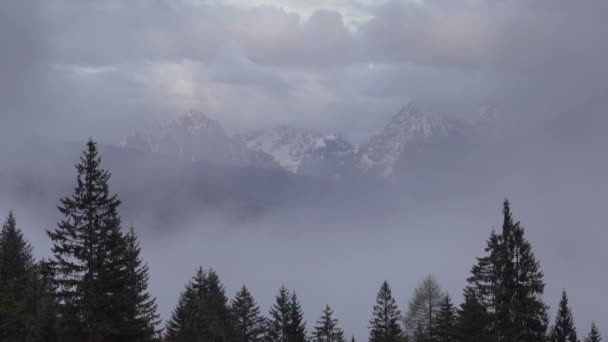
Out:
{"x": 594, "y": 335}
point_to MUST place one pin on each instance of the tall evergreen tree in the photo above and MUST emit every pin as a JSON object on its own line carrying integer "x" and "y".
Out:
{"x": 594, "y": 335}
{"x": 249, "y": 324}
{"x": 510, "y": 284}
{"x": 444, "y": 326}
{"x": 139, "y": 306}
{"x": 216, "y": 313}
{"x": 202, "y": 312}
{"x": 296, "y": 328}
{"x": 423, "y": 308}
{"x": 327, "y": 329}
{"x": 16, "y": 275}
{"x": 88, "y": 262}
{"x": 563, "y": 330}
{"x": 384, "y": 325}
{"x": 187, "y": 323}
{"x": 472, "y": 325}
{"x": 280, "y": 317}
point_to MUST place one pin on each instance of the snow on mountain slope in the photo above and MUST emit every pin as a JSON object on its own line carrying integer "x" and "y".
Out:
{"x": 304, "y": 152}
{"x": 194, "y": 136}
{"x": 407, "y": 128}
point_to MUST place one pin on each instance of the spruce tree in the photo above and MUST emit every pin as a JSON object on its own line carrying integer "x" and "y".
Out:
{"x": 384, "y": 325}
{"x": 248, "y": 323}
{"x": 187, "y": 323}
{"x": 327, "y": 329}
{"x": 140, "y": 307}
{"x": 444, "y": 326}
{"x": 423, "y": 308}
{"x": 510, "y": 285}
{"x": 216, "y": 313}
{"x": 16, "y": 275}
{"x": 594, "y": 335}
{"x": 88, "y": 256}
{"x": 563, "y": 330}
{"x": 296, "y": 328}
{"x": 472, "y": 324}
{"x": 280, "y": 317}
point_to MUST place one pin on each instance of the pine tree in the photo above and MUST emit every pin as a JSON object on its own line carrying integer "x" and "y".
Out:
{"x": 384, "y": 325}
{"x": 16, "y": 275}
{"x": 249, "y": 324}
{"x": 594, "y": 335}
{"x": 472, "y": 325}
{"x": 510, "y": 285}
{"x": 423, "y": 309}
{"x": 280, "y": 317}
{"x": 139, "y": 306}
{"x": 186, "y": 323}
{"x": 563, "y": 330}
{"x": 327, "y": 329}
{"x": 444, "y": 326}
{"x": 88, "y": 262}
{"x": 296, "y": 328}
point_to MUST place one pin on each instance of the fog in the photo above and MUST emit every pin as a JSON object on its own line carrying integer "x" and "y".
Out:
{"x": 70, "y": 70}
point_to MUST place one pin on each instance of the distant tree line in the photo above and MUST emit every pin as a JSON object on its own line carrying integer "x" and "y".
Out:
{"x": 95, "y": 288}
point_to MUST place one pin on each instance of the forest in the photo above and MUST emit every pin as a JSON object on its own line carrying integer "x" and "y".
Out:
{"x": 94, "y": 287}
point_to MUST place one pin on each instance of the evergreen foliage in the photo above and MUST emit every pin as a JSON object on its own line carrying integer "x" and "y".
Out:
{"x": 249, "y": 325}
{"x": 510, "y": 285}
{"x": 16, "y": 276}
{"x": 139, "y": 306}
{"x": 327, "y": 329}
{"x": 444, "y": 326}
{"x": 594, "y": 335}
{"x": 296, "y": 328}
{"x": 280, "y": 317}
{"x": 202, "y": 313}
{"x": 472, "y": 324}
{"x": 384, "y": 325}
{"x": 563, "y": 330}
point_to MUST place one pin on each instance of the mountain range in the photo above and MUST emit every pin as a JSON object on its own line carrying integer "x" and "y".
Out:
{"x": 194, "y": 136}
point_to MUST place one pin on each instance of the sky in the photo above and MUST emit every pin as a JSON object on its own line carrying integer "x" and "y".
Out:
{"x": 73, "y": 69}
{"x": 333, "y": 65}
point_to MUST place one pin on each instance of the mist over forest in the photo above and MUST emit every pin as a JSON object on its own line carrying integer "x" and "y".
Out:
{"x": 324, "y": 146}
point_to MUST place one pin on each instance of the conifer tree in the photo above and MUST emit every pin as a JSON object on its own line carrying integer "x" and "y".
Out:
{"x": 423, "y": 309}
{"x": 594, "y": 335}
{"x": 472, "y": 325}
{"x": 444, "y": 326}
{"x": 296, "y": 328}
{"x": 510, "y": 285}
{"x": 42, "y": 307}
{"x": 280, "y": 317}
{"x": 186, "y": 323}
{"x": 249, "y": 324}
{"x": 216, "y": 313}
{"x": 327, "y": 329}
{"x": 16, "y": 274}
{"x": 140, "y": 306}
{"x": 563, "y": 330}
{"x": 384, "y": 325}
{"x": 88, "y": 256}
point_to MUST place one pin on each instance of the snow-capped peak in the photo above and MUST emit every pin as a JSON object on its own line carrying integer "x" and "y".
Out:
{"x": 297, "y": 149}
{"x": 407, "y": 126}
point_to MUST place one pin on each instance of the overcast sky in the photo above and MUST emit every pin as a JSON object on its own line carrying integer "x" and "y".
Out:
{"x": 102, "y": 68}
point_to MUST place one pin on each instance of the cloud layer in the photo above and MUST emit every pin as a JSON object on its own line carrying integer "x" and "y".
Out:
{"x": 342, "y": 64}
